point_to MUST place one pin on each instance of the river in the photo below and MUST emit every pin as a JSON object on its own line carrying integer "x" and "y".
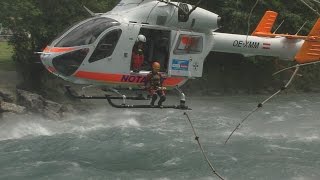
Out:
{"x": 279, "y": 142}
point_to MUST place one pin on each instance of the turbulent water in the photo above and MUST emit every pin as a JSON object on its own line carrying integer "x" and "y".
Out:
{"x": 281, "y": 141}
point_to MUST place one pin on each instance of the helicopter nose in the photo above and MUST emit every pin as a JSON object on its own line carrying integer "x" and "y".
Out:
{"x": 46, "y": 59}
{"x": 63, "y": 60}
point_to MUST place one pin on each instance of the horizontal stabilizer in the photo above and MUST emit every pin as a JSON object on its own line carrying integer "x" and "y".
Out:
{"x": 309, "y": 52}
{"x": 265, "y": 25}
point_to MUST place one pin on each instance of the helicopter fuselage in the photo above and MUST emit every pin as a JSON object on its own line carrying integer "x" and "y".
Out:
{"x": 98, "y": 50}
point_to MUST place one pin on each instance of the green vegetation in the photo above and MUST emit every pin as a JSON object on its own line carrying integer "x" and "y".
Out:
{"x": 35, "y": 23}
{"x": 6, "y": 52}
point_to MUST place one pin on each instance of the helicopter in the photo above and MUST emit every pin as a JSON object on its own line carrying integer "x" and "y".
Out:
{"x": 98, "y": 50}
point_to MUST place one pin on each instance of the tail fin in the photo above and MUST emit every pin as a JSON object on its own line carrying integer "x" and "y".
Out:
{"x": 266, "y": 23}
{"x": 310, "y": 50}
{"x": 315, "y": 31}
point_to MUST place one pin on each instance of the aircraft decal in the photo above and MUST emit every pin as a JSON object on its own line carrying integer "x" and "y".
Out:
{"x": 196, "y": 66}
{"x": 180, "y": 65}
{"x": 126, "y": 78}
{"x": 266, "y": 46}
{"x": 186, "y": 42}
{"x": 135, "y": 79}
{"x": 244, "y": 44}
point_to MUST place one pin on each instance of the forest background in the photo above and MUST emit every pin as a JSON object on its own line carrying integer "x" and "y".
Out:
{"x": 35, "y": 23}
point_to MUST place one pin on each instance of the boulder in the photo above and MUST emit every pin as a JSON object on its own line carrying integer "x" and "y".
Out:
{"x": 10, "y": 107}
{"x": 50, "y": 114}
{"x": 33, "y": 102}
{"x": 37, "y": 104}
{"x": 7, "y": 96}
{"x": 52, "y": 106}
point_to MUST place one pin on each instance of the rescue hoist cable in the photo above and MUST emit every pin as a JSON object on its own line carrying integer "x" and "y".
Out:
{"x": 260, "y": 105}
{"x": 314, "y": 10}
{"x": 316, "y": 1}
{"x": 249, "y": 18}
{"x": 300, "y": 65}
{"x": 201, "y": 148}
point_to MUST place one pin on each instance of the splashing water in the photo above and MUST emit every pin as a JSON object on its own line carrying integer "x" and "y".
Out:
{"x": 281, "y": 141}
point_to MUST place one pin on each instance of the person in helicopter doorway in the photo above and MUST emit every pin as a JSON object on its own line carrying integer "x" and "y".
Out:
{"x": 137, "y": 53}
{"x": 153, "y": 84}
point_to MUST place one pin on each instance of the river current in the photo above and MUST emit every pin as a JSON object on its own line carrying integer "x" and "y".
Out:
{"x": 279, "y": 142}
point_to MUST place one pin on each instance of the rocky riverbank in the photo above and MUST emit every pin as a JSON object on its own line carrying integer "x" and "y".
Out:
{"x": 17, "y": 101}
{"x": 24, "y": 102}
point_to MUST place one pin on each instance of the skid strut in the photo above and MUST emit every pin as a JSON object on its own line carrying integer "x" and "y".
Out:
{"x": 123, "y": 97}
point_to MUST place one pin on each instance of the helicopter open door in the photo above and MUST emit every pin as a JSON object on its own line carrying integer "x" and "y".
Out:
{"x": 187, "y": 54}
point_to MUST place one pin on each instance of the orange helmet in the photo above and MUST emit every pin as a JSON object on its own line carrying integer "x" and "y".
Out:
{"x": 156, "y": 66}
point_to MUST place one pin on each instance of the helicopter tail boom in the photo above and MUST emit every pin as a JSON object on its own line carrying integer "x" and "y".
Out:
{"x": 281, "y": 47}
{"x": 303, "y": 49}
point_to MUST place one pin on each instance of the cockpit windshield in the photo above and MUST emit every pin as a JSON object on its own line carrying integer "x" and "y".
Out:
{"x": 87, "y": 32}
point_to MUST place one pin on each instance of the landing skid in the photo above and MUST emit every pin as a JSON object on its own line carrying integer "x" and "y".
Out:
{"x": 122, "y": 97}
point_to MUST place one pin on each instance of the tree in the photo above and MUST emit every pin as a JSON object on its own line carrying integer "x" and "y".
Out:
{"x": 35, "y": 23}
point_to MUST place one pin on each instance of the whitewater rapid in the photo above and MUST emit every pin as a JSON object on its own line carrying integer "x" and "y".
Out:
{"x": 281, "y": 141}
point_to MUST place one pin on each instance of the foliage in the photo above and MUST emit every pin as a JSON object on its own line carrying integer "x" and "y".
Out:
{"x": 5, "y": 56}
{"x": 35, "y": 23}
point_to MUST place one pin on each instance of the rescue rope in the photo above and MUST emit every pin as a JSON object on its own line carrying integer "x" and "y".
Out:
{"x": 314, "y": 10}
{"x": 300, "y": 65}
{"x": 316, "y": 1}
{"x": 260, "y": 105}
{"x": 201, "y": 148}
{"x": 249, "y": 18}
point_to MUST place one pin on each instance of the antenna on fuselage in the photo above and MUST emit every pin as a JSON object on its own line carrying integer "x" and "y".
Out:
{"x": 278, "y": 27}
{"x": 301, "y": 27}
{"x": 91, "y": 13}
{"x": 195, "y": 7}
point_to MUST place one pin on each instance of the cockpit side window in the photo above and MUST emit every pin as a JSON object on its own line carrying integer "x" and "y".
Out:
{"x": 106, "y": 46}
{"x": 87, "y": 32}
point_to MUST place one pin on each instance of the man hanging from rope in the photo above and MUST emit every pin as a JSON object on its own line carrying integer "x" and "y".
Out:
{"x": 153, "y": 84}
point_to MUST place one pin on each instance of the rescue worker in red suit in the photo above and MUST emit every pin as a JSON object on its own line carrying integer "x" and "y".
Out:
{"x": 153, "y": 84}
{"x": 137, "y": 53}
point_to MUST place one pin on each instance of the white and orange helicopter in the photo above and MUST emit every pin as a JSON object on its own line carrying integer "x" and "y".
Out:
{"x": 98, "y": 50}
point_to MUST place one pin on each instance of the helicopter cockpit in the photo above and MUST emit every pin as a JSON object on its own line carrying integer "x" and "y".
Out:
{"x": 86, "y": 32}
{"x": 79, "y": 41}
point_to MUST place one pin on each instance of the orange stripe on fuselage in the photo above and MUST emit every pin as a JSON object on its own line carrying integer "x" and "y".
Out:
{"x": 58, "y": 49}
{"x": 51, "y": 69}
{"x": 125, "y": 78}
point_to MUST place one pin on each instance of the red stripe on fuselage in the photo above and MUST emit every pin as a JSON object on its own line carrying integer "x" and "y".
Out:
{"x": 125, "y": 78}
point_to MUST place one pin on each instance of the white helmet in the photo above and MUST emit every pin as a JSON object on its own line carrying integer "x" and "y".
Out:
{"x": 141, "y": 38}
